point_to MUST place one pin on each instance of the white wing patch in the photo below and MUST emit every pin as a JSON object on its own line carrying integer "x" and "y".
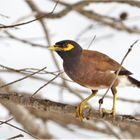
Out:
{"x": 124, "y": 81}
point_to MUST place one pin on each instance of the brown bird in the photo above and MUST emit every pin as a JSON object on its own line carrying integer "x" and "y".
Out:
{"x": 93, "y": 70}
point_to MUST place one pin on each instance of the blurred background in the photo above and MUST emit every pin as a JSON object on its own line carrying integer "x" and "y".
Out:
{"x": 115, "y": 25}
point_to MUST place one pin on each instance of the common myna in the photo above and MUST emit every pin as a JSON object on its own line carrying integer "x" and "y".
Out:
{"x": 93, "y": 70}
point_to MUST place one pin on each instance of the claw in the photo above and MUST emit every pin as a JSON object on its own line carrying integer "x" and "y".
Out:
{"x": 83, "y": 111}
{"x": 104, "y": 111}
{"x": 79, "y": 111}
{"x": 81, "y": 107}
{"x": 112, "y": 111}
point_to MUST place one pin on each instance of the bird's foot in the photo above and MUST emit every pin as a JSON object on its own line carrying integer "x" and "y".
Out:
{"x": 83, "y": 111}
{"x": 104, "y": 111}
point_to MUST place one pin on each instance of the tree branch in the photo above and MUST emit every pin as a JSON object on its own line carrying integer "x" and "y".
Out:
{"x": 65, "y": 109}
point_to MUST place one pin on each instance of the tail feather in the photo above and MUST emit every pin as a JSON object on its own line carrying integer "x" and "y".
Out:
{"x": 134, "y": 81}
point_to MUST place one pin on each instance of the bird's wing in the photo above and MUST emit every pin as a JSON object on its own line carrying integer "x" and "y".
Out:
{"x": 103, "y": 62}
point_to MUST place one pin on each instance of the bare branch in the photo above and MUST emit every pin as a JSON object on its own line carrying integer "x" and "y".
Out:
{"x": 87, "y": 2}
{"x": 2, "y": 86}
{"x": 19, "y": 129}
{"x": 117, "y": 73}
{"x": 59, "y": 108}
{"x": 46, "y": 84}
{"x": 114, "y": 23}
{"x": 6, "y": 121}
{"x": 89, "y": 14}
{"x": 24, "y": 40}
{"x": 17, "y": 136}
{"x": 24, "y": 23}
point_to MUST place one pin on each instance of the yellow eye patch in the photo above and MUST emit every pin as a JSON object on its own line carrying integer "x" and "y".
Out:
{"x": 68, "y": 48}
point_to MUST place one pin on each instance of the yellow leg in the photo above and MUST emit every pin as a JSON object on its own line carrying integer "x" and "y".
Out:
{"x": 114, "y": 92}
{"x": 82, "y": 105}
{"x": 113, "y": 110}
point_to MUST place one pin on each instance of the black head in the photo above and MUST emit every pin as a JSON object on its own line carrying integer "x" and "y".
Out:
{"x": 67, "y": 49}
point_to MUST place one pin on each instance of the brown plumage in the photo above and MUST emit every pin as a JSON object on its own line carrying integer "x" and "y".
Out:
{"x": 91, "y": 69}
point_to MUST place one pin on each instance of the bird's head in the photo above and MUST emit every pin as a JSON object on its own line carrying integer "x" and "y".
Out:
{"x": 66, "y": 49}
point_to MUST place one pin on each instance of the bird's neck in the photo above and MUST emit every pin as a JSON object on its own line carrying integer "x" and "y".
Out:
{"x": 71, "y": 61}
{"x": 70, "y": 57}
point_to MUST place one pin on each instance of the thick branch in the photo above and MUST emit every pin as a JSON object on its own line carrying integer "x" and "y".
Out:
{"x": 59, "y": 108}
{"x": 135, "y": 3}
{"x": 24, "y": 117}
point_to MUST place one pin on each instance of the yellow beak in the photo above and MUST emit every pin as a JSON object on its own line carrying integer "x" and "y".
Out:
{"x": 59, "y": 48}
{"x": 54, "y": 48}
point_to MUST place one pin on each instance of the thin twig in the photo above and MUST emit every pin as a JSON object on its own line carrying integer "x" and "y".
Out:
{"x": 6, "y": 121}
{"x": 17, "y": 136}
{"x": 30, "y": 21}
{"x": 46, "y": 84}
{"x": 20, "y": 79}
{"x": 4, "y": 16}
{"x": 19, "y": 129}
{"x": 91, "y": 42}
{"x": 25, "y": 71}
{"x": 24, "y": 40}
{"x": 117, "y": 73}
